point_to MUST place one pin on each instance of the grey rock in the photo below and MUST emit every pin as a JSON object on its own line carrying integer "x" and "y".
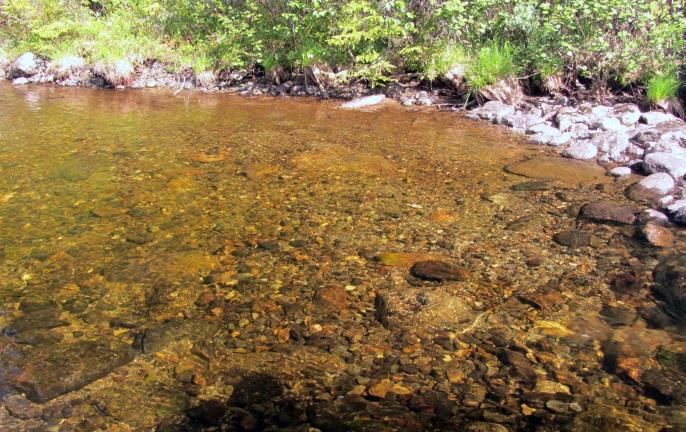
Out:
{"x": 644, "y": 137}
{"x": 581, "y": 150}
{"x": 672, "y": 130}
{"x": 25, "y": 65}
{"x": 521, "y": 121}
{"x": 561, "y": 139}
{"x": 665, "y": 162}
{"x": 608, "y": 124}
{"x": 567, "y": 117}
{"x": 612, "y": 145}
{"x": 495, "y": 111}
{"x": 656, "y": 117}
{"x": 20, "y": 81}
{"x": 628, "y": 114}
{"x": 666, "y": 146}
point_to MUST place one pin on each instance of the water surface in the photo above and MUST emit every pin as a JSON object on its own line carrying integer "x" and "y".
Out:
{"x": 203, "y": 261}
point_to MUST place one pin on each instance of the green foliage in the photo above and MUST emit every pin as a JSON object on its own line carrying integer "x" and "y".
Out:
{"x": 607, "y": 41}
{"x": 662, "y": 87}
{"x": 492, "y": 63}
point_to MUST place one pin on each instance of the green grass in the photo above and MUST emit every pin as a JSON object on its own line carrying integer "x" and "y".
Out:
{"x": 442, "y": 60}
{"x": 663, "y": 87}
{"x": 492, "y": 63}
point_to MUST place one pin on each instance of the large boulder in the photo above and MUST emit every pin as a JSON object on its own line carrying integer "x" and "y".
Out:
{"x": 26, "y": 65}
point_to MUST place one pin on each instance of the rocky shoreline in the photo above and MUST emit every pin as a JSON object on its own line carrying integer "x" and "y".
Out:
{"x": 620, "y": 137}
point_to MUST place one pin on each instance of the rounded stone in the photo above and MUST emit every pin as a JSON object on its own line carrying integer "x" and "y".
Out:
{"x": 659, "y": 183}
{"x": 581, "y": 150}
{"x": 620, "y": 172}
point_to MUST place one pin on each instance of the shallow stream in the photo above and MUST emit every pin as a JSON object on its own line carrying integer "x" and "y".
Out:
{"x": 209, "y": 262}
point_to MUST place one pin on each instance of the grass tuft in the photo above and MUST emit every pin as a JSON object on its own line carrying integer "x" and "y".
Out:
{"x": 663, "y": 87}
{"x": 492, "y": 63}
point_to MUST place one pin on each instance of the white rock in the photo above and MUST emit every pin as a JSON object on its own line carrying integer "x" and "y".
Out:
{"x": 675, "y": 206}
{"x": 20, "y": 81}
{"x": 660, "y": 183}
{"x": 561, "y": 139}
{"x": 364, "y": 102}
{"x": 521, "y": 121}
{"x": 566, "y": 118}
{"x": 608, "y": 124}
{"x": 666, "y": 146}
{"x": 628, "y": 114}
{"x": 601, "y": 110}
{"x": 495, "y": 111}
{"x": 672, "y": 130}
{"x": 25, "y": 65}
{"x": 651, "y": 215}
{"x": 620, "y": 171}
{"x": 665, "y": 162}
{"x": 612, "y": 145}
{"x": 581, "y": 150}
{"x": 656, "y": 117}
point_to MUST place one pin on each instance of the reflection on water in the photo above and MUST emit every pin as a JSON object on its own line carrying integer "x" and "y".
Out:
{"x": 200, "y": 260}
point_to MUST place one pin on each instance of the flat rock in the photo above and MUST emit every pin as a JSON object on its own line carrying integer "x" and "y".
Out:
{"x": 531, "y": 186}
{"x": 437, "y": 271}
{"x": 575, "y": 238}
{"x": 364, "y": 102}
{"x": 566, "y": 171}
{"x": 609, "y": 212}
{"x": 656, "y": 117}
{"x": 44, "y": 374}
